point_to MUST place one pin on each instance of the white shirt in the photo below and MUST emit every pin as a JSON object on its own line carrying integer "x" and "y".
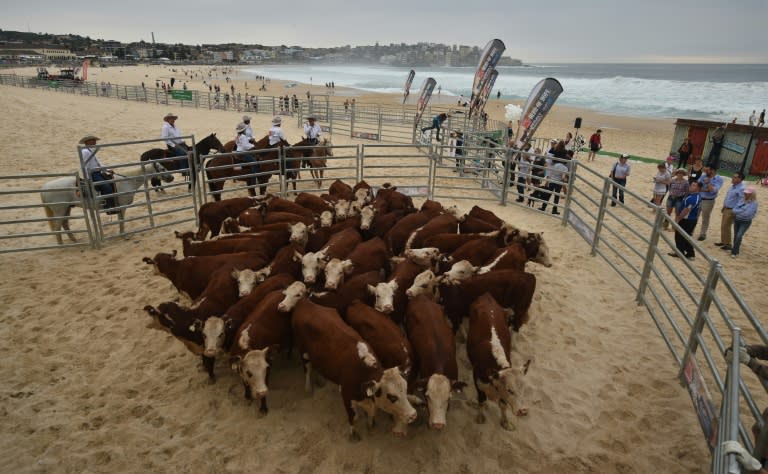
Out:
{"x": 171, "y": 135}
{"x": 558, "y": 172}
{"x": 275, "y": 135}
{"x": 248, "y": 130}
{"x": 243, "y": 142}
{"x": 312, "y": 131}
{"x": 660, "y": 181}
{"x": 90, "y": 162}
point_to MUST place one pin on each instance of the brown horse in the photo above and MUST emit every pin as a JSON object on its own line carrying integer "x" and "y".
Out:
{"x": 203, "y": 147}
{"x": 316, "y": 161}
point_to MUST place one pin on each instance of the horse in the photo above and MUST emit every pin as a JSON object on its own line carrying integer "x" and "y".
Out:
{"x": 203, "y": 147}
{"x": 60, "y": 195}
{"x": 216, "y": 177}
{"x": 316, "y": 162}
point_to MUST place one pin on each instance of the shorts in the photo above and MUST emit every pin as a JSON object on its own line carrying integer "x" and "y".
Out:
{"x": 594, "y": 147}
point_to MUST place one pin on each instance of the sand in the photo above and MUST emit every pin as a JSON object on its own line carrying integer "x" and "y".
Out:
{"x": 86, "y": 386}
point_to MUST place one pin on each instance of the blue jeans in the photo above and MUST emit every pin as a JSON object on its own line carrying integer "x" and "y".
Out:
{"x": 180, "y": 151}
{"x": 103, "y": 188}
{"x": 740, "y": 228}
{"x": 616, "y": 190}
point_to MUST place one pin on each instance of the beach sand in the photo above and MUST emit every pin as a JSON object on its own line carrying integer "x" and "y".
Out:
{"x": 88, "y": 387}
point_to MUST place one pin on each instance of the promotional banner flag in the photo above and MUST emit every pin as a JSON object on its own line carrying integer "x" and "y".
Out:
{"x": 408, "y": 82}
{"x": 426, "y": 92}
{"x": 488, "y": 60}
{"x": 541, "y": 99}
{"x": 485, "y": 92}
{"x": 85, "y": 70}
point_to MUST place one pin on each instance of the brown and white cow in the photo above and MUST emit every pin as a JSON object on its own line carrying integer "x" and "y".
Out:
{"x": 212, "y": 214}
{"x": 387, "y": 339}
{"x": 512, "y": 289}
{"x": 366, "y": 256}
{"x": 261, "y": 335}
{"x": 338, "y": 246}
{"x": 355, "y": 288}
{"x": 322, "y": 208}
{"x": 278, "y": 204}
{"x": 336, "y": 351}
{"x": 390, "y": 295}
{"x": 398, "y": 235}
{"x": 449, "y": 242}
{"x": 434, "y": 349}
{"x": 284, "y": 262}
{"x": 536, "y": 249}
{"x": 488, "y": 348}
{"x": 444, "y": 223}
{"x": 511, "y": 257}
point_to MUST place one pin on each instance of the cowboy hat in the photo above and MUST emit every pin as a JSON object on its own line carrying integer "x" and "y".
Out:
{"x": 246, "y": 118}
{"x": 311, "y": 118}
{"x": 277, "y": 121}
{"x": 170, "y": 115}
{"x": 240, "y": 127}
{"x": 88, "y": 138}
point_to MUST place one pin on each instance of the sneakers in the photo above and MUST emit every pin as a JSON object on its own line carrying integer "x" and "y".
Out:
{"x": 520, "y": 199}
{"x": 702, "y": 238}
{"x": 726, "y": 247}
{"x": 719, "y": 244}
{"x": 555, "y": 213}
{"x": 673, "y": 254}
{"x": 613, "y": 204}
{"x": 734, "y": 255}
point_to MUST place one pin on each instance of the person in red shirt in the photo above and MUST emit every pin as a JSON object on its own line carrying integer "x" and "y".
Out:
{"x": 594, "y": 145}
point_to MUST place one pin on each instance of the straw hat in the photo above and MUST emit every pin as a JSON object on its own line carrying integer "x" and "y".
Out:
{"x": 170, "y": 115}
{"x": 624, "y": 155}
{"x": 311, "y": 118}
{"x": 246, "y": 118}
{"x": 277, "y": 121}
{"x": 240, "y": 127}
{"x": 682, "y": 171}
{"x": 88, "y": 138}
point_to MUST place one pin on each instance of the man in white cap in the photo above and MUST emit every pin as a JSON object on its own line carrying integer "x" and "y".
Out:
{"x": 248, "y": 129}
{"x": 171, "y": 134}
{"x": 276, "y": 134}
{"x": 243, "y": 143}
{"x": 312, "y": 131}
{"x": 95, "y": 171}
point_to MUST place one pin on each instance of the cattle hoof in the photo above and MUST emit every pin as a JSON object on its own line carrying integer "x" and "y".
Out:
{"x": 522, "y": 412}
{"x": 480, "y": 419}
{"x": 354, "y": 437}
{"x": 507, "y": 425}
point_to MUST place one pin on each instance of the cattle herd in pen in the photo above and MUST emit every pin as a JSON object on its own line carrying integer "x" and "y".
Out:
{"x": 370, "y": 291}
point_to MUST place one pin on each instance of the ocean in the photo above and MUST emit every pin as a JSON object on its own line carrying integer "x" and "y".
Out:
{"x": 696, "y": 91}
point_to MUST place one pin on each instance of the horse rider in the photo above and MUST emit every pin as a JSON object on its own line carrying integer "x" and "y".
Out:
{"x": 243, "y": 143}
{"x": 276, "y": 134}
{"x": 248, "y": 129}
{"x": 312, "y": 131}
{"x": 176, "y": 146}
{"x": 96, "y": 171}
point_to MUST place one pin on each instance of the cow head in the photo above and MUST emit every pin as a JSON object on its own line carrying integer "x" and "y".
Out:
{"x": 437, "y": 391}
{"x": 459, "y": 272}
{"x": 311, "y": 264}
{"x": 341, "y": 208}
{"x": 366, "y": 217}
{"x": 295, "y": 291}
{"x": 385, "y": 296}
{"x": 542, "y": 255}
{"x": 247, "y": 279}
{"x": 335, "y": 270}
{"x": 299, "y": 233}
{"x": 326, "y": 219}
{"x": 363, "y": 196}
{"x": 424, "y": 284}
{"x": 253, "y": 369}
{"x": 509, "y": 385}
{"x": 389, "y": 394}
{"x": 214, "y": 334}
{"x": 455, "y": 212}
{"x": 425, "y": 256}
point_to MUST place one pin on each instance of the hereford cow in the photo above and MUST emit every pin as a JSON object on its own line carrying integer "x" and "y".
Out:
{"x": 512, "y": 289}
{"x": 284, "y": 262}
{"x": 444, "y": 223}
{"x": 338, "y": 246}
{"x": 262, "y": 334}
{"x": 212, "y": 214}
{"x": 387, "y": 339}
{"x": 355, "y": 288}
{"x": 536, "y": 250}
{"x": 289, "y": 217}
{"x": 251, "y": 217}
{"x": 488, "y": 348}
{"x": 399, "y": 233}
{"x": 366, "y": 256}
{"x": 322, "y": 208}
{"x": 449, "y": 242}
{"x": 335, "y": 350}
{"x": 434, "y": 354}
{"x": 278, "y": 204}
{"x": 511, "y": 257}
{"x": 390, "y": 296}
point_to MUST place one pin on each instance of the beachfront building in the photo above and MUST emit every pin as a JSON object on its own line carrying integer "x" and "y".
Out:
{"x": 744, "y": 147}
{"x": 37, "y": 52}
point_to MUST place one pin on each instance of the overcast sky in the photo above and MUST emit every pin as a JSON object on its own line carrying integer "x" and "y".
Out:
{"x": 536, "y": 32}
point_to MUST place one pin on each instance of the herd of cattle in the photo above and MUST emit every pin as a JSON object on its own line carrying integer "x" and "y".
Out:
{"x": 368, "y": 289}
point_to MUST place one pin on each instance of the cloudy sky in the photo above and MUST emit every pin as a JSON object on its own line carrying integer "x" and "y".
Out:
{"x": 542, "y": 31}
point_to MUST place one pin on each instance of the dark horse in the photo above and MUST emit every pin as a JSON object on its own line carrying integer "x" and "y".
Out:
{"x": 266, "y": 165}
{"x": 203, "y": 147}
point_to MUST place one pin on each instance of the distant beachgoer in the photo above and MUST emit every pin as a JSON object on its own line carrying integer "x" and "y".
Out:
{"x": 753, "y": 117}
{"x": 438, "y": 91}
{"x": 684, "y": 152}
{"x": 761, "y": 120}
{"x": 744, "y": 212}
{"x": 461, "y": 99}
{"x": 595, "y": 144}
{"x": 498, "y": 94}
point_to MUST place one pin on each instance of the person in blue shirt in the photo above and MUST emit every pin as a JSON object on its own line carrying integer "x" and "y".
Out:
{"x": 437, "y": 123}
{"x": 743, "y": 214}
{"x": 710, "y": 183}
{"x": 687, "y": 220}
{"x": 732, "y": 197}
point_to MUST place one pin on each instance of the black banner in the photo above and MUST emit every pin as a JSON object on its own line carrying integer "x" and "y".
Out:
{"x": 488, "y": 60}
{"x": 541, "y": 99}
{"x": 485, "y": 92}
{"x": 426, "y": 93}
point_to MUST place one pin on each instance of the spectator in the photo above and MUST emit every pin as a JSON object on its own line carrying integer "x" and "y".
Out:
{"x": 717, "y": 139}
{"x": 687, "y": 220}
{"x": 753, "y": 118}
{"x": 710, "y": 184}
{"x": 743, "y": 213}
{"x": 619, "y": 174}
{"x": 523, "y": 172}
{"x": 732, "y": 198}
{"x": 660, "y": 183}
{"x": 684, "y": 152}
{"x": 557, "y": 175}
{"x": 678, "y": 189}
{"x": 595, "y": 144}
{"x": 696, "y": 171}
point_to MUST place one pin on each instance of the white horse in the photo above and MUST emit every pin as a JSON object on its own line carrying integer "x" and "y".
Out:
{"x": 61, "y": 195}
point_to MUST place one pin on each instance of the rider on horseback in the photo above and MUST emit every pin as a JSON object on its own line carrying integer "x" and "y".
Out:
{"x": 176, "y": 146}
{"x": 96, "y": 171}
{"x": 244, "y": 143}
{"x": 312, "y": 131}
{"x": 276, "y": 134}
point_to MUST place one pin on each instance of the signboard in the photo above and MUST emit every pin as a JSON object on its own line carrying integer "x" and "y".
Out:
{"x": 541, "y": 99}
{"x": 488, "y": 60}
{"x": 366, "y": 135}
{"x": 581, "y": 228}
{"x": 181, "y": 95}
{"x": 735, "y": 147}
{"x": 408, "y": 82}
{"x": 426, "y": 92}
{"x": 702, "y": 401}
